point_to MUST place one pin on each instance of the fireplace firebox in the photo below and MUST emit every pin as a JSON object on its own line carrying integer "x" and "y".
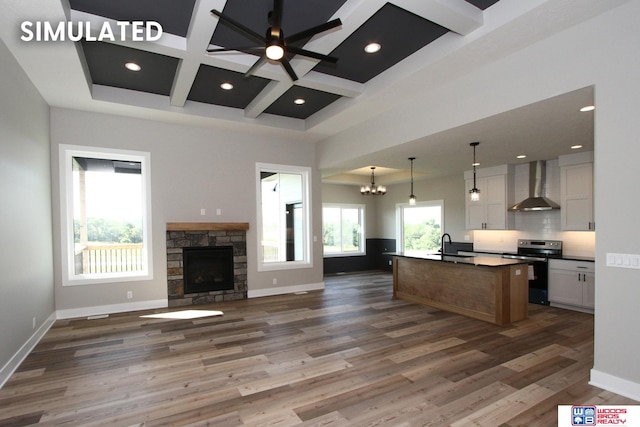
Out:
{"x": 208, "y": 268}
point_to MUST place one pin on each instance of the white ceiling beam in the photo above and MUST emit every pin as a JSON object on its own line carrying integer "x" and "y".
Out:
{"x": 201, "y": 29}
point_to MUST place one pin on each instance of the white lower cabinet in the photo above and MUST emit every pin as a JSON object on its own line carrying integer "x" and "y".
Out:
{"x": 572, "y": 284}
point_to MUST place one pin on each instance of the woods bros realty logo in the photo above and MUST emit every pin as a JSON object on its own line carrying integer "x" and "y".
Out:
{"x": 45, "y": 31}
{"x": 600, "y": 415}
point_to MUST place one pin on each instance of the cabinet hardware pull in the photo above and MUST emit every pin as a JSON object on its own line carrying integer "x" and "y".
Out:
{"x": 580, "y": 266}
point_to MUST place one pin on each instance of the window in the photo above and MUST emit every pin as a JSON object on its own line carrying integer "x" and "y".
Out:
{"x": 343, "y": 230}
{"x": 420, "y": 227}
{"x": 283, "y": 217}
{"x": 105, "y": 215}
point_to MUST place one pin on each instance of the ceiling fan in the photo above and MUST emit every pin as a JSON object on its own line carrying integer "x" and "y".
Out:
{"x": 274, "y": 45}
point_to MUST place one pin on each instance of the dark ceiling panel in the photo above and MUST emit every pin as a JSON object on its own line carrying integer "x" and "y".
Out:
{"x": 314, "y": 102}
{"x": 400, "y": 33}
{"x": 173, "y": 15}
{"x": 106, "y": 66}
{"x": 296, "y": 16}
{"x": 482, "y": 4}
{"x": 206, "y": 87}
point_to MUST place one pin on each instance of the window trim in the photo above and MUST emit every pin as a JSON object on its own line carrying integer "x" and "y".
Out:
{"x": 400, "y": 223}
{"x": 66, "y": 154}
{"x": 363, "y": 247}
{"x": 307, "y": 247}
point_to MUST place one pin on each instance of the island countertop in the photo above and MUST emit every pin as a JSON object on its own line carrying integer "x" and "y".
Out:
{"x": 479, "y": 260}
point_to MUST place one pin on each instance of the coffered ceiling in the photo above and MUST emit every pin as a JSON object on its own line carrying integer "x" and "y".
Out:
{"x": 179, "y": 68}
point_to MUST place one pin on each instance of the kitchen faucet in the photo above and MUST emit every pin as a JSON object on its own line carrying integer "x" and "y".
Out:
{"x": 442, "y": 242}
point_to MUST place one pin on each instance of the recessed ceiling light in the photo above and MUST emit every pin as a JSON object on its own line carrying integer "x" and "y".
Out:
{"x": 132, "y": 66}
{"x": 372, "y": 47}
{"x": 588, "y": 108}
{"x": 226, "y": 86}
{"x": 575, "y": 147}
{"x": 521, "y": 156}
{"x": 299, "y": 101}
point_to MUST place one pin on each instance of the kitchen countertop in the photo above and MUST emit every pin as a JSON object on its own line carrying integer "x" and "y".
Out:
{"x": 483, "y": 261}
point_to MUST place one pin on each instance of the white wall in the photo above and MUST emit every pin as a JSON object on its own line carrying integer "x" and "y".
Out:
{"x": 601, "y": 52}
{"x": 191, "y": 168}
{"x": 26, "y": 282}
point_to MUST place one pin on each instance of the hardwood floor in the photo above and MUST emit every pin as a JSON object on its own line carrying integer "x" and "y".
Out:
{"x": 350, "y": 355}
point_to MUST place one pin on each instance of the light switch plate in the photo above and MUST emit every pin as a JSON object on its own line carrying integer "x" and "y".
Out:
{"x": 623, "y": 260}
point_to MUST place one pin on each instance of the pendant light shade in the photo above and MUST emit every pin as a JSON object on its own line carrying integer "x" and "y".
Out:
{"x": 474, "y": 192}
{"x": 412, "y": 197}
{"x": 373, "y": 189}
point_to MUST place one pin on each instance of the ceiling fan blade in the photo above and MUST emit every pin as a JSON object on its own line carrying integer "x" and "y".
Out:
{"x": 239, "y": 27}
{"x": 238, "y": 49}
{"x": 288, "y": 69}
{"x": 313, "y": 31}
{"x": 255, "y": 66}
{"x": 310, "y": 54}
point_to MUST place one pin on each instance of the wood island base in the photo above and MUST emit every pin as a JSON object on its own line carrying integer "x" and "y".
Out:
{"x": 496, "y": 294}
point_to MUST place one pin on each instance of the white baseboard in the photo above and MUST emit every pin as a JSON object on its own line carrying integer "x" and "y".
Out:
{"x": 615, "y": 384}
{"x": 10, "y": 367}
{"x": 112, "y": 308}
{"x": 285, "y": 290}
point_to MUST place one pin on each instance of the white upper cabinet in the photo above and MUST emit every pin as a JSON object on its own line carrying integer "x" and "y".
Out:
{"x": 576, "y": 192}
{"x": 496, "y": 195}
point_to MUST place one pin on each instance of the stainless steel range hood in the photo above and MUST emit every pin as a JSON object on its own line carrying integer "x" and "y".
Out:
{"x": 536, "y": 201}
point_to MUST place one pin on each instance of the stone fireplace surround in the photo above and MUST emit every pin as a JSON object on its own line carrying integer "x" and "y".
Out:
{"x": 201, "y": 234}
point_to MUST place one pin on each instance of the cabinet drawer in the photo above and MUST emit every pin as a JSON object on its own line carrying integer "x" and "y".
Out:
{"x": 570, "y": 265}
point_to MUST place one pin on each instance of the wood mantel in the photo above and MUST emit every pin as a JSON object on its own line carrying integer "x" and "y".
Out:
{"x": 204, "y": 226}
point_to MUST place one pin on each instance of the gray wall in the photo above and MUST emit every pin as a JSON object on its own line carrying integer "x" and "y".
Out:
{"x": 26, "y": 282}
{"x": 191, "y": 168}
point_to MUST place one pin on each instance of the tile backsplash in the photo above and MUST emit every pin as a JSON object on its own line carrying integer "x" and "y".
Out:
{"x": 574, "y": 243}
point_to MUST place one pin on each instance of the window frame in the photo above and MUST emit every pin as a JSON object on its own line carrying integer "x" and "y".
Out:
{"x": 307, "y": 248}
{"x": 362, "y": 222}
{"x": 66, "y": 155}
{"x": 400, "y": 222}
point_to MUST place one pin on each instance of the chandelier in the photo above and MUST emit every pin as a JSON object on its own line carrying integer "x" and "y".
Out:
{"x": 373, "y": 189}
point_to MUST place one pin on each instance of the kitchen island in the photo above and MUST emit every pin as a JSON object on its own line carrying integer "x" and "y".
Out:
{"x": 495, "y": 290}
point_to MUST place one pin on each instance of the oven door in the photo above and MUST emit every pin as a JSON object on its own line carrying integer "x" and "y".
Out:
{"x": 538, "y": 273}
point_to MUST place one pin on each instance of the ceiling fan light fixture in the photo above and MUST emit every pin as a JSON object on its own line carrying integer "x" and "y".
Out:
{"x": 274, "y": 52}
{"x": 372, "y": 47}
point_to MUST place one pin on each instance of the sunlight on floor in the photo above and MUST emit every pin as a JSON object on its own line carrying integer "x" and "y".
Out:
{"x": 184, "y": 314}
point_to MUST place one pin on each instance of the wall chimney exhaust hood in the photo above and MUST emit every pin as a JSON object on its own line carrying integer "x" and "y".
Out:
{"x": 536, "y": 201}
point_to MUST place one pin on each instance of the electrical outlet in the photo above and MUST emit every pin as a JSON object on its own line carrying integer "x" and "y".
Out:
{"x": 275, "y": 281}
{"x": 129, "y": 294}
{"x": 203, "y": 211}
{"x": 390, "y": 262}
{"x": 218, "y": 211}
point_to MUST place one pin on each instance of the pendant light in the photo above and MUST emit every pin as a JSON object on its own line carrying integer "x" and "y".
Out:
{"x": 475, "y": 193}
{"x": 373, "y": 189}
{"x": 412, "y": 197}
